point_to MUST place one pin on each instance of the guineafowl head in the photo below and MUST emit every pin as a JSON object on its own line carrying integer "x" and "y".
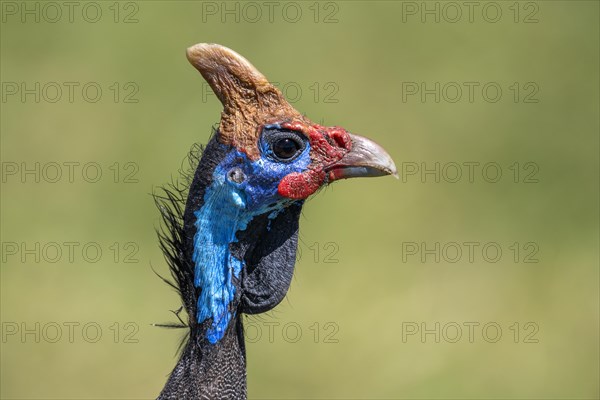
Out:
{"x": 233, "y": 250}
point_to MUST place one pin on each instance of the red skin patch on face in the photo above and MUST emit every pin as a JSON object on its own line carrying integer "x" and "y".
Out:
{"x": 299, "y": 186}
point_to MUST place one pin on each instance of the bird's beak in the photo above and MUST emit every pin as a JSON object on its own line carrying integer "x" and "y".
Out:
{"x": 365, "y": 159}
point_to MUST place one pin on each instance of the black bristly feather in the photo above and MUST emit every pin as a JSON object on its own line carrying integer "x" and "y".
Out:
{"x": 176, "y": 233}
{"x": 170, "y": 201}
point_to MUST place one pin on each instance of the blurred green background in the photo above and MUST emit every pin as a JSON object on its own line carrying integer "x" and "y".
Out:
{"x": 344, "y": 329}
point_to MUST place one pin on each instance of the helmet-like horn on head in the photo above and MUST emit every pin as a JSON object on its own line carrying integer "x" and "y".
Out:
{"x": 249, "y": 100}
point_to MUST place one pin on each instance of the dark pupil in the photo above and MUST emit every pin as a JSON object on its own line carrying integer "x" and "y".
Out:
{"x": 285, "y": 148}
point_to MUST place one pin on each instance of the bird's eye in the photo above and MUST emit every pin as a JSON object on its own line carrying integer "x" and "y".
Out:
{"x": 285, "y": 148}
{"x": 284, "y": 145}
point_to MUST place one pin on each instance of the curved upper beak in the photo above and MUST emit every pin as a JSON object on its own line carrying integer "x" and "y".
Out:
{"x": 365, "y": 159}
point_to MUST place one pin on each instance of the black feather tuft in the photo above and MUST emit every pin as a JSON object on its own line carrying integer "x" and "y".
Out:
{"x": 176, "y": 202}
{"x": 171, "y": 200}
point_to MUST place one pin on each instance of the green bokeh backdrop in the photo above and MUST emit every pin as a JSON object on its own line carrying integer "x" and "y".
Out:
{"x": 358, "y": 290}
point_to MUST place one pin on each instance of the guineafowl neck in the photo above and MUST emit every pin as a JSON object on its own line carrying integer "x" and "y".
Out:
{"x": 212, "y": 364}
{"x": 210, "y": 371}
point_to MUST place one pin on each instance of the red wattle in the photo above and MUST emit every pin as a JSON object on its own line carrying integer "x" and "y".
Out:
{"x": 299, "y": 186}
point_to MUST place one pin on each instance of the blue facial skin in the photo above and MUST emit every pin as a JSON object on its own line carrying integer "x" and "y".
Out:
{"x": 228, "y": 208}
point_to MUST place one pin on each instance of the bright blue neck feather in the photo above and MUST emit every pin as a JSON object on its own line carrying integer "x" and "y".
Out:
{"x": 228, "y": 208}
{"x": 214, "y": 263}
